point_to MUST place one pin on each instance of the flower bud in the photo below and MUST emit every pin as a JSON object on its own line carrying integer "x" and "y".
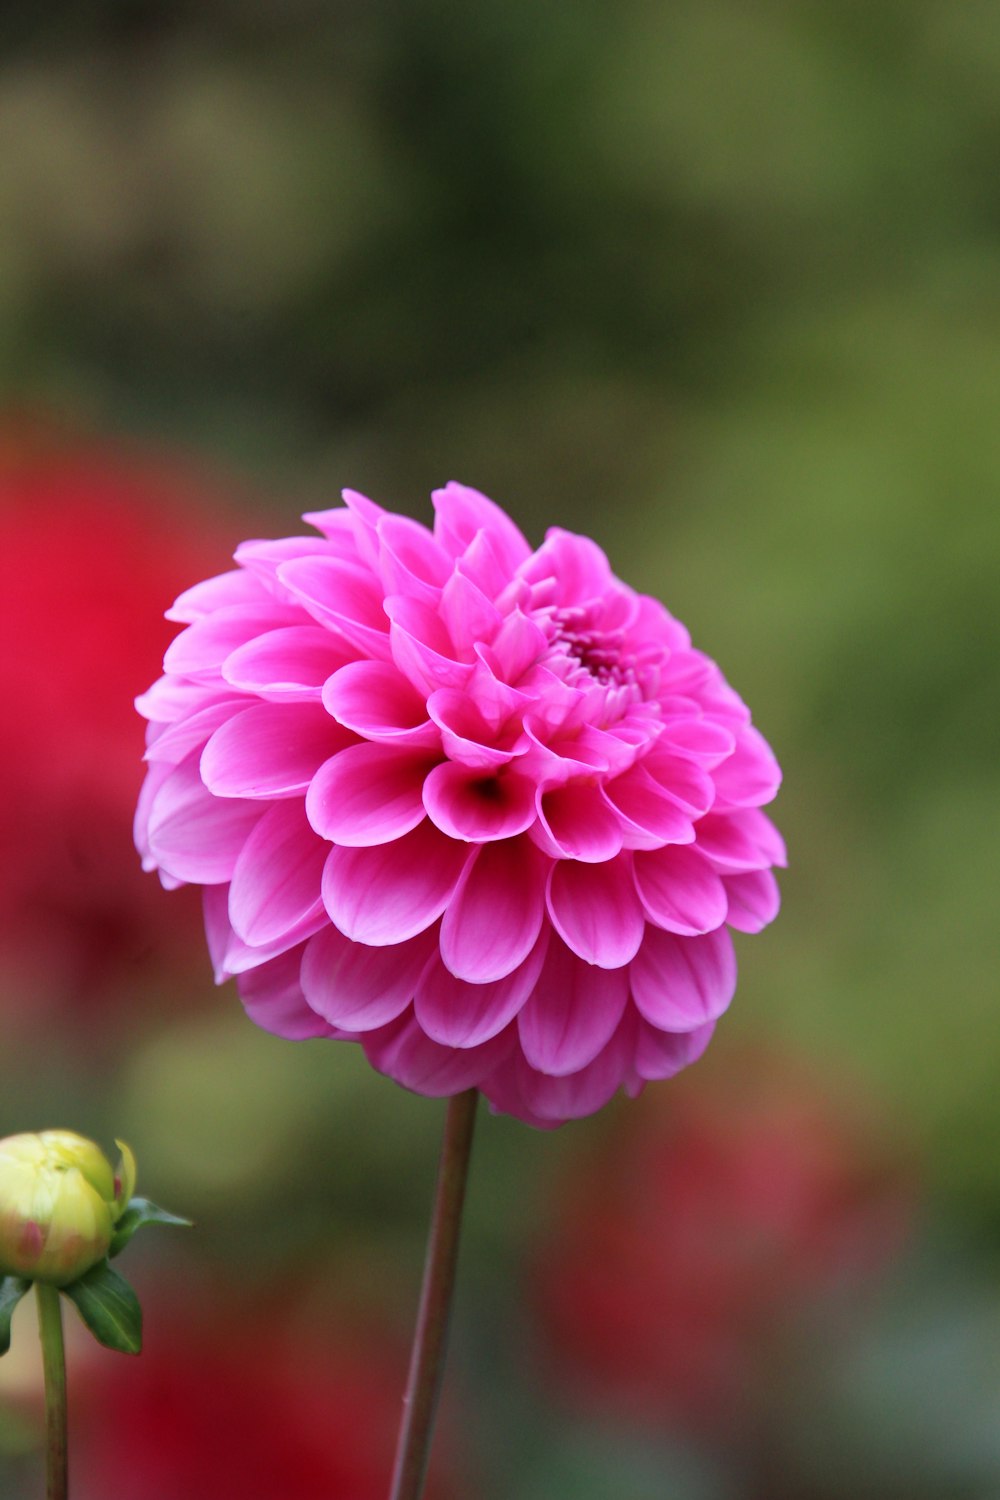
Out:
{"x": 59, "y": 1200}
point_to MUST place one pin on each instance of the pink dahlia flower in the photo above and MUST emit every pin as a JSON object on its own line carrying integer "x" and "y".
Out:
{"x": 482, "y": 809}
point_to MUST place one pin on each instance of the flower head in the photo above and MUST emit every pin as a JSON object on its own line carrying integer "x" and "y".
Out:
{"x": 481, "y": 808}
{"x": 59, "y": 1202}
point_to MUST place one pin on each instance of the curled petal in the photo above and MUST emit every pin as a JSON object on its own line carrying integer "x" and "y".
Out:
{"x": 276, "y": 879}
{"x": 680, "y": 983}
{"x": 679, "y": 890}
{"x": 753, "y": 899}
{"x": 403, "y": 1051}
{"x": 466, "y": 804}
{"x": 579, "y": 822}
{"x": 391, "y": 892}
{"x": 194, "y": 835}
{"x": 368, "y": 794}
{"x": 375, "y": 700}
{"x": 661, "y": 1054}
{"x": 496, "y": 912}
{"x": 343, "y": 596}
{"x": 359, "y": 988}
{"x": 459, "y": 1014}
{"x": 270, "y": 750}
{"x": 596, "y": 911}
{"x": 289, "y": 664}
{"x": 272, "y": 997}
{"x": 572, "y": 1012}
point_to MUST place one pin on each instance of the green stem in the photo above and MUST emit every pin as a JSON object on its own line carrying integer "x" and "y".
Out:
{"x": 54, "y": 1361}
{"x": 427, "y": 1359}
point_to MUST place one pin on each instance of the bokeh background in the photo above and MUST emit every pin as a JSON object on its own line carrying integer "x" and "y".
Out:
{"x": 720, "y": 285}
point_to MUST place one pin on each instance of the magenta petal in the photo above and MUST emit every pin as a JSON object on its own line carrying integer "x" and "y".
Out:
{"x": 204, "y": 646}
{"x": 750, "y": 776}
{"x": 193, "y": 835}
{"x": 699, "y": 739}
{"x": 343, "y": 596}
{"x": 496, "y": 913}
{"x": 369, "y": 794}
{"x": 422, "y": 648}
{"x": 290, "y": 663}
{"x": 685, "y": 782}
{"x": 468, "y": 804}
{"x": 580, "y": 822}
{"x": 742, "y": 840}
{"x": 359, "y": 988}
{"x": 572, "y": 1012}
{"x": 458, "y": 1014}
{"x": 271, "y": 750}
{"x": 648, "y": 810}
{"x": 661, "y": 1054}
{"x": 410, "y": 560}
{"x": 375, "y": 700}
{"x": 221, "y": 592}
{"x": 679, "y": 983}
{"x": 596, "y": 910}
{"x": 679, "y": 890}
{"x": 546, "y": 1099}
{"x": 754, "y": 900}
{"x": 403, "y": 1051}
{"x": 469, "y": 617}
{"x": 466, "y": 734}
{"x": 276, "y": 881}
{"x": 190, "y": 733}
{"x": 272, "y": 997}
{"x": 391, "y": 892}
{"x": 461, "y": 512}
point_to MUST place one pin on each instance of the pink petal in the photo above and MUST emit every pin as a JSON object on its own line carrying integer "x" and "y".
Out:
{"x": 580, "y": 822}
{"x": 661, "y": 1054}
{"x": 391, "y": 892}
{"x": 679, "y": 983}
{"x": 739, "y": 841}
{"x": 272, "y": 997}
{"x": 596, "y": 910}
{"x": 465, "y": 734}
{"x": 191, "y": 733}
{"x": 344, "y": 596}
{"x": 276, "y": 880}
{"x": 461, "y": 512}
{"x": 751, "y": 775}
{"x": 360, "y": 988}
{"x": 518, "y": 645}
{"x": 572, "y": 1012}
{"x": 271, "y": 750}
{"x": 495, "y": 915}
{"x": 410, "y": 560}
{"x": 468, "y": 616}
{"x": 546, "y": 1100}
{"x": 422, "y": 648}
{"x": 291, "y": 663}
{"x": 369, "y": 794}
{"x": 204, "y": 646}
{"x": 701, "y": 740}
{"x": 468, "y": 804}
{"x": 375, "y": 700}
{"x": 222, "y": 592}
{"x": 193, "y": 835}
{"x": 651, "y": 817}
{"x": 364, "y": 516}
{"x": 403, "y": 1051}
{"x": 679, "y": 890}
{"x": 458, "y": 1014}
{"x": 685, "y": 782}
{"x": 264, "y": 558}
{"x": 754, "y": 900}
{"x": 581, "y": 570}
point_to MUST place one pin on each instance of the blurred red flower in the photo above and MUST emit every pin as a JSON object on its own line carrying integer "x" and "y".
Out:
{"x": 679, "y": 1255}
{"x": 91, "y": 535}
{"x": 230, "y": 1407}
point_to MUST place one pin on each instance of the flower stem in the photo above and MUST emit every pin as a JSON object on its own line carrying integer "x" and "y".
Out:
{"x": 423, "y": 1385}
{"x": 54, "y": 1361}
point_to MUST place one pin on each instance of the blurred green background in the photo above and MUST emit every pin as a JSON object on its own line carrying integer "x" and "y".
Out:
{"x": 719, "y": 285}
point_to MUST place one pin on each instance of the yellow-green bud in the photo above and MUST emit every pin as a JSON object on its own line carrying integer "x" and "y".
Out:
{"x": 59, "y": 1202}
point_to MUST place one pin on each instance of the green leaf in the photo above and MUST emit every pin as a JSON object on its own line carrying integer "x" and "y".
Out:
{"x": 109, "y": 1307}
{"x": 138, "y": 1212}
{"x": 12, "y": 1289}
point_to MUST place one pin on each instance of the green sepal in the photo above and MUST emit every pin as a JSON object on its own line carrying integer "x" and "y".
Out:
{"x": 137, "y": 1213}
{"x": 109, "y": 1307}
{"x": 12, "y": 1289}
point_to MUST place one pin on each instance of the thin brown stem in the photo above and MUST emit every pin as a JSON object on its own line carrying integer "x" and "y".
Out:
{"x": 423, "y": 1385}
